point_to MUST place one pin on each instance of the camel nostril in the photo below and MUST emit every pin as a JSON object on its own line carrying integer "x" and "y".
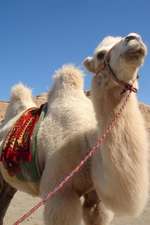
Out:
{"x": 131, "y": 37}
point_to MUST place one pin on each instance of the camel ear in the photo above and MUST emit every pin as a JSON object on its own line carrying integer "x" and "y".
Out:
{"x": 89, "y": 64}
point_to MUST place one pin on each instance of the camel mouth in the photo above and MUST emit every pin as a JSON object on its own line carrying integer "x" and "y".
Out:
{"x": 140, "y": 51}
{"x": 135, "y": 53}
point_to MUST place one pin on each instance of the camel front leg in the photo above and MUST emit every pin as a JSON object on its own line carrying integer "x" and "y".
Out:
{"x": 63, "y": 209}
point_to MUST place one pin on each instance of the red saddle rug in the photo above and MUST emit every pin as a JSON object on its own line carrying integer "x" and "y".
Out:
{"x": 16, "y": 146}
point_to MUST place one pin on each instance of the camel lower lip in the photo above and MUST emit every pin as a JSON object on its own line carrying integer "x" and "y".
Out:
{"x": 134, "y": 53}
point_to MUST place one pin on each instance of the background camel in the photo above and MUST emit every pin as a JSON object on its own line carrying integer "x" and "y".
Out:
{"x": 20, "y": 101}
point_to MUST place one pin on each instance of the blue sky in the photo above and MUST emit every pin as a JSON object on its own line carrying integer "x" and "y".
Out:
{"x": 37, "y": 37}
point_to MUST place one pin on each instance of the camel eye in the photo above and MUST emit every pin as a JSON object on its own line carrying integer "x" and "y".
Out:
{"x": 100, "y": 55}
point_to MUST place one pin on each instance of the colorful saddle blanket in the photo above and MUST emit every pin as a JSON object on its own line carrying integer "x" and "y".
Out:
{"x": 18, "y": 153}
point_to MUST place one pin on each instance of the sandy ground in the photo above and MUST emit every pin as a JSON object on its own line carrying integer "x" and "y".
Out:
{"x": 20, "y": 204}
{"x": 23, "y": 202}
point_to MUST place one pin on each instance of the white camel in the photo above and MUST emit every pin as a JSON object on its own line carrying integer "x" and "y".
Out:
{"x": 21, "y": 100}
{"x": 69, "y": 130}
{"x": 65, "y": 140}
{"x": 120, "y": 169}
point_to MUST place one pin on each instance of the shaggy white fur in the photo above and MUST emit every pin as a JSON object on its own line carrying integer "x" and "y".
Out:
{"x": 21, "y": 99}
{"x": 63, "y": 137}
{"x": 120, "y": 170}
{"x": 62, "y": 143}
{"x": 118, "y": 173}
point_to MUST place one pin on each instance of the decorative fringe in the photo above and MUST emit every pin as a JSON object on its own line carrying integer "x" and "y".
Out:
{"x": 16, "y": 146}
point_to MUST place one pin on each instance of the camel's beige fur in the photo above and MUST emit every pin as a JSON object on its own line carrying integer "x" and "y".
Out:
{"x": 120, "y": 170}
{"x": 67, "y": 133}
{"x": 21, "y": 99}
{"x": 62, "y": 137}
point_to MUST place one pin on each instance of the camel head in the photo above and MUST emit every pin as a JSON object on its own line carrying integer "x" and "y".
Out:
{"x": 118, "y": 56}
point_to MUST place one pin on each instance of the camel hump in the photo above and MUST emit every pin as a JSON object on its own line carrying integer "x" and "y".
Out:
{"x": 21, "y": 99}
{"x": 21, "y": 92}
{"x": 69, "y": 76}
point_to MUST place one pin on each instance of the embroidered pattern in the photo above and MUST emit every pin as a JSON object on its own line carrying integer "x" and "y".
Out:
{"x": 16, "y": 146}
